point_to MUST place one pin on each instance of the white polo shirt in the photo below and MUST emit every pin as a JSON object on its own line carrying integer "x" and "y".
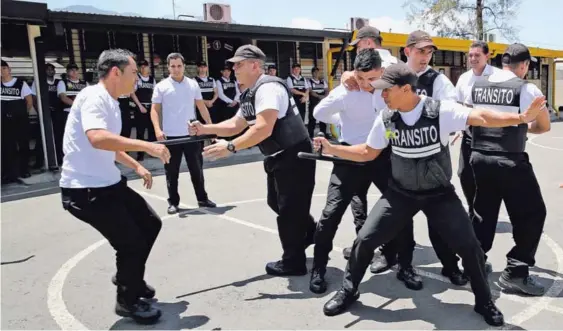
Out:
{"x": 465, "y": 84}
{"x": 355, "y": 111}
{"x": 178, "y": 104}
{"x": 85, "y": 166}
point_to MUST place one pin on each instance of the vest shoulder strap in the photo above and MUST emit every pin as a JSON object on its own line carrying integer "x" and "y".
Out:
{"x": 388, "y": 116}
{"x": 264, "y": 80}
{"x": 431, "y": 108}
{"x": 429, "y": 76}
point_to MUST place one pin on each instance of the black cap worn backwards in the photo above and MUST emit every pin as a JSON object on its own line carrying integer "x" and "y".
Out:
{"x": 366, "y": 32}
{"x": 247, "y": 52}
{"x": 396, "y": 74}
{"x": 516, "y": 53}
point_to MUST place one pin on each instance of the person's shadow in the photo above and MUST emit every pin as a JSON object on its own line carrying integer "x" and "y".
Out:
{"x": 185, "y": 212}
{"x": 170, "y": 319}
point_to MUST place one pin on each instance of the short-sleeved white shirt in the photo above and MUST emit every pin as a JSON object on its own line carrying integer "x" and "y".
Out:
{"x": 85, "y": 166}
{"x": 270, "y": 96}
{"x": 453, "y": 117}
{"x": 178, "y": 104}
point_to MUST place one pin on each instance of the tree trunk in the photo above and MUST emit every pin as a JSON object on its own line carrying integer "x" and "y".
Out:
{"x": 479, "y": 9}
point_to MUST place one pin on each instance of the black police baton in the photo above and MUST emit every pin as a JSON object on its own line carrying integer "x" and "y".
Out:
{"x": 319, "y": 156}
{"x": 187, "y": 140}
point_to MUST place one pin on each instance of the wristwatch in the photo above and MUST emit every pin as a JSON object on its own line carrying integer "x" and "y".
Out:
{"x": 231, "y": 147}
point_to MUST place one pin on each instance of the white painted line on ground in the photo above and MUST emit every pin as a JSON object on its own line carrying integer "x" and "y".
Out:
{"x": 67, "y": 321}
{"x": 531, "y": 141}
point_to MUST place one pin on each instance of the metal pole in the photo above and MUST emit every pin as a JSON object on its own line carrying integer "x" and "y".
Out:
{"x": 173, "y": 10}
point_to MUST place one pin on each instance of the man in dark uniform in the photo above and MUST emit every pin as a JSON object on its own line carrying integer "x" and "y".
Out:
{"x": 229, "y": 96}
{"x": 126, "y": 106}
{"x": 67, "y": 90}
{"x": 16, "y": 105}
{"x": 299, "y": 87}
{"x": 317, "y": 91}
{"x": 419, "y": 50}
{"x": 503, "y": 171}
{"x": 208, "y": 88}
{"x": 142, "y": 98}
{"x": 272, "y": 70}
{"x": 418, "y": 134}
{"x": 278, "y": 130}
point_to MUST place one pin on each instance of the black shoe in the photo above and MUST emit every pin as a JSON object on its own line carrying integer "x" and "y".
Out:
{"x": 206, "y": 204}
{"x": 279, "y": 269}
{"x": 528, "y": 285}
{"x": 490, "y": 313}
{"x": 456, "y": 277}
{"x": 380, "y": 264}
{"x": 340, "y": 302}
{"x": 411, "y": 279}
{"x": 25, "y": 174}
{"x": 173, "y": 209}
{"x": 148, "y": 292}
{"x": 346, "y": 252}
{"x": 142, "y": 312}
{"x": 318, "y": 284}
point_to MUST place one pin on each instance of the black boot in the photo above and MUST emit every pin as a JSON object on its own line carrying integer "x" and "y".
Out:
{"x": 318, "y": 283}
{"x": 382, "y": 263}
{"x": 490, "y": 313}
{"x": 340, "y": 302}
{"x": 411, "y": 279}
{"x": 148, "y": 292}
{"x": 278, "y": 268}
{"x": 455, "y": 276}
{"x": 129, "y": 305}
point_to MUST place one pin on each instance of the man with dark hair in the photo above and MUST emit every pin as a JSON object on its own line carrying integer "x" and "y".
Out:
{"x": 272, "y": 70}
{"x": 93, "y": 190}
{"x": 229, "y": 95}
{"x": 503, "y": 170}
{"x": 420, "y": 180}
{"x": 318, "y": 90}
{"x": 269, "y": 111}
{"x": 67, "y": 90}
{"x": 16, "y": 105}
{"x": 142, "y": 98}
{"x": 478, "y": 57}
{"x": 354, "y": 111}
{"x": 299, "y": 87}
{"x": 173, "y": 100}
{"x": 209, "y": 93}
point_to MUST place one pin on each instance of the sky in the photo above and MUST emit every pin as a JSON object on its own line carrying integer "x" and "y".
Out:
{"x": 537, "y": 27}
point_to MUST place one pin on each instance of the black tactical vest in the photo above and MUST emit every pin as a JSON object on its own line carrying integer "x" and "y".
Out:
{"x": 298, "y": 84}
{"x": 288, "y": 130}
{"x": 419, "y": 161}
{"x": 503, "y": 97}
{"x": 145, "y": 90}
{"x": 229, "y": 88}
{"x": 206, "y": 87}
{"x": 72, "y": 89}
{"x": 12, "y": 101}
{"x": 425, "y": 84}
{"x": 317, "y": 88}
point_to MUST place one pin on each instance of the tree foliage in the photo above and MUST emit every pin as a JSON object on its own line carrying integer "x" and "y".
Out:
{"x": 467, "y": 19}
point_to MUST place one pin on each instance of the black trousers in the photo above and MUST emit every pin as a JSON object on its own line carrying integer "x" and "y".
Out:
{"x": 59, "y": 118}
{"x": 291, "y": 182}
{"x": 465, "y": 173}
{"x": 143, "y": 124}
{"x": 313, "y": 121}
{"x": 394, "y": 210}
{"x": 301, "y": 106}
{"x": 508, "y": 178}
{"x": 194, "y": 160}
{"x": 129, "y": 224}
{"x": 15, "y": 143}
{"x": 348, "y": 184}
{"x": 126, "y": 122}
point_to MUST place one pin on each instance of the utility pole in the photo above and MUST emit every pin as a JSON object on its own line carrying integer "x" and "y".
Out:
{"x": 173, "y": 10}
{"x": 479, "y": 8}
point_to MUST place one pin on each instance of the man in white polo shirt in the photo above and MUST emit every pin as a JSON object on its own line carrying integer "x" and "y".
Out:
{"x": 173, "y": 100}
{"x": 93, "y": 189}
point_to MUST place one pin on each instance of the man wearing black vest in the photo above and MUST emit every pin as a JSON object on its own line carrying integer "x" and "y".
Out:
{"x": 229, "y": 96}
{"x": 418, "y": 134}
{"x": 67, "y": 90}
{"x": 16, "y": 105}
{"x": 503, "y": 170}
{"x": 272, "y": 70}
{"x": 276, "y": 127}
{"x": 142, "y": 98}
{"x": 299, "y": 87}
{"x": 318, "y": 89}
{"x": 419, "y": 50}
{"x": 208, "y": 88}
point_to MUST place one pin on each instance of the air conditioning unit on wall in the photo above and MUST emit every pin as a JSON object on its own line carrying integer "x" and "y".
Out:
{"x": 357, "y": 23}
{"x": 216, "y": 13}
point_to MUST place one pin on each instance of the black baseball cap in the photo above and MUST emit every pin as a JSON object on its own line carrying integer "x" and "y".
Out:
{"x": 296, "y": 65}
{"x": 226, "y": 67}
{"x": 367, "y": 32}
{"x": 143, "y": 63}
{"x": 71, "y": 66}
{"x": 247, "y": 52}
{"x": 396, "y": 74}
{"x": 202, "y": 64}
{"x": 272, "y": 66}
{"x": 516, "y": 53}
{"x": 4, "y": 64}
{"x": 420, "y": 39}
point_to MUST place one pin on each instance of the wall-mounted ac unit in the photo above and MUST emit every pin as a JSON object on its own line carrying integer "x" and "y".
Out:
{"x": 491, "y": 37}
{"x": 357, "y": 23}
{"x": 216, "y": 13}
